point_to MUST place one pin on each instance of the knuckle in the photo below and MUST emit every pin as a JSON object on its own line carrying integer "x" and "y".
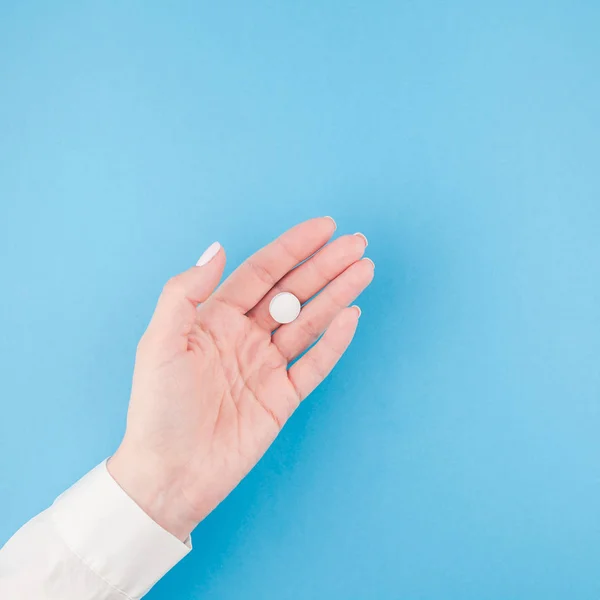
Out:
{"x": 323, "y": 274}
{"x": 174, "y": 286}
{"x": 285, "y": 248}
{"x": 262, "y": 273}
{"x": 339, "y": 300}
{"x": 336, "y": 351}
{"x": 317, "y": 367}
{"x": 310, "y": 328}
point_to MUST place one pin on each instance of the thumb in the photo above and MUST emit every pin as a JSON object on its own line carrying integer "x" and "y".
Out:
{"x": 176, "y": 307}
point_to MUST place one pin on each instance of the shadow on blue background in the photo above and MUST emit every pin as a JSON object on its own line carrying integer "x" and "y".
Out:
{"x": 454, "y": 452}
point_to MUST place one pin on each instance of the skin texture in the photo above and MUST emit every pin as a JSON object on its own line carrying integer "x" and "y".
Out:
{"x": 212, "y": 386}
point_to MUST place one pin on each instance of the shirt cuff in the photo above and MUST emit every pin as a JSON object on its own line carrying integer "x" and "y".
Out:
{"x": 113, "y": 536}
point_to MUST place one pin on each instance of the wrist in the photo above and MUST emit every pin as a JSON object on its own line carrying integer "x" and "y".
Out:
{"x": 155, "y": 491}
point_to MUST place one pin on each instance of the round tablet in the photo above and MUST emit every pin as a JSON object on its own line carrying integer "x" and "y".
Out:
{"x": 284, "y": 307}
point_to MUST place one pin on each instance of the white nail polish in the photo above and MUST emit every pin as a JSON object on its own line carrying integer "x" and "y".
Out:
{"x": 209, "y": 254}
{"x": 363, "y": 236}
{"x": 333, "y": 221}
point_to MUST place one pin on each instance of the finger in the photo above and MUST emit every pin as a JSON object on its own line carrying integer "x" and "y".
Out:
{"x": 317, "y": 314}
{"x": 259, "y": 273}
{"x": 176, "y": 308}
{"x": 318, "y": 362}
{"x": 312, "y": 275}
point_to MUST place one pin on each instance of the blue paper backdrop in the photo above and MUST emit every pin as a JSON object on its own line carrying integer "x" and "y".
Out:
{"x": 455, "y": 451}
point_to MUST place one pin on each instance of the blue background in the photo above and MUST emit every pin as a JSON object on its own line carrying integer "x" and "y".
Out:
{"x": 454, "y": 453}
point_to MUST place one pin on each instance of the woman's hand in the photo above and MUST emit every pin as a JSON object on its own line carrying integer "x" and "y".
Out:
{"x": 211, "y": 386}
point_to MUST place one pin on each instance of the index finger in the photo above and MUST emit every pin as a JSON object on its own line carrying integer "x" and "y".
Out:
{"x": 259, "y": 273}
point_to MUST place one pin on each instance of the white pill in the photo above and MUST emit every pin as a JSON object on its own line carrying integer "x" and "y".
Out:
{"x": 284, "y": 307}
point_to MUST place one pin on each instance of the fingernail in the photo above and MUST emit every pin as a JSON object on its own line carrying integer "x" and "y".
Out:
{"x": 334, "y": 223}
{"x": 363, "y": 236}
{"x": 358, "y": 309}
{"x": 209, "y": 254}
{"x": 365, "y": 258}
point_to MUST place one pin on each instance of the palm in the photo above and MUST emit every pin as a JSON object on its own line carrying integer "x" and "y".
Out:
{"x": 250, "y": 395}
{"x": 212, "y": 387}
{"x": 255, "y": 395}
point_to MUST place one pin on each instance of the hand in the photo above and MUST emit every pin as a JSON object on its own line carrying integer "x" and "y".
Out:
{"x": 211, "y": 386}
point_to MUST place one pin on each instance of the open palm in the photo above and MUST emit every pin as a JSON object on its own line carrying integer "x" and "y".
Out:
{"x": 212, "y": 385}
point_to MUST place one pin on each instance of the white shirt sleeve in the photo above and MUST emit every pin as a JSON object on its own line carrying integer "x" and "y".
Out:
{"x": 93, "y": 543}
